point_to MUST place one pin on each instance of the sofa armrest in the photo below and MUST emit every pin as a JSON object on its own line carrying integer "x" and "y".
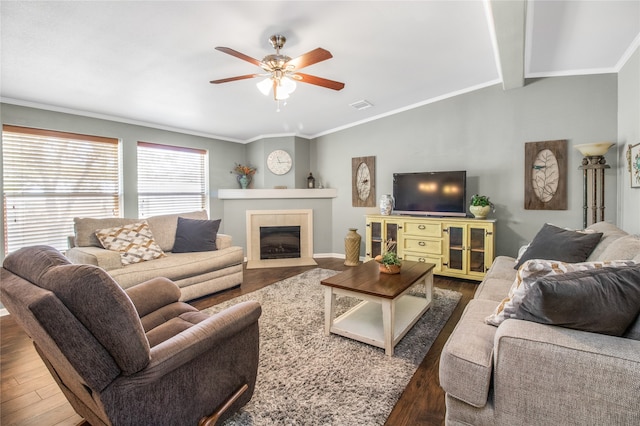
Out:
{"x": 223, "y": 241}
{"x": 106, "y": 259}
{"x": 152, "y": 295}
{"x": 540, "y": 371}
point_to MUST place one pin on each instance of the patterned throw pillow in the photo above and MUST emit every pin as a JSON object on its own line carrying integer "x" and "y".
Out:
{"x": 134, "y": 242}
{"x": 532, "y": 270}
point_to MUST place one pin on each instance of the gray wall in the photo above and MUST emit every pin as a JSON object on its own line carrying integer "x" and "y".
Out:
{"x": 222, "y": 154}
{"x": 628, "y": 134}
{"x": 482, "y": 132}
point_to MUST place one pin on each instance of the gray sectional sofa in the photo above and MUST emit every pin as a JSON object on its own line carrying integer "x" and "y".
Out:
{"x": 197, "y": 273}
{"x": 530, "y": 373}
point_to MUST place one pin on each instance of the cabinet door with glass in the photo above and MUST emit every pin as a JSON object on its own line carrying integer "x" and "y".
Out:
{"x": 382, "y": 235}
{"x": 480, "y": 244}
{"x": 469, "y": 249}
{"x": 455, "y": 258}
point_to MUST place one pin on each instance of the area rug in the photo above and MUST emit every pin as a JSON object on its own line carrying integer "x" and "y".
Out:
{"x": 307, "y": 378}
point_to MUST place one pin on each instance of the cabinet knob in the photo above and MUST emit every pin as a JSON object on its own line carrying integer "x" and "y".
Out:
{"x": 422, "y": 243}
{"x": 445, "y": 264}
{"x": 422, "y": 226}
{"x": 489, "y": 233}
{"x": 422, "y": 259}
{"x": 368, "y": 225}
{"x": 446, "y": 230}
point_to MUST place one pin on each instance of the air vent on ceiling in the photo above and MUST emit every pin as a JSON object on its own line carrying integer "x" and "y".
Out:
{"x": 360, "y": 105}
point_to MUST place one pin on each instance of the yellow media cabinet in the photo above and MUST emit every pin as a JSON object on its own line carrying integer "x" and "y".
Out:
{"x": 459, "y": 247}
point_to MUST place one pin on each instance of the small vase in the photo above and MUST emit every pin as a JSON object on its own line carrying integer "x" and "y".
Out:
{"x": 244, "y": 181}
{"x": 352, "y": 248}
{"x": 479, "y": 212}
{"x": 386, "y": 204}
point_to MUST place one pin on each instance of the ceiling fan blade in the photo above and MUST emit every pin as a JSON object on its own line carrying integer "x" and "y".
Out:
{"x": 239, "y": 55}
{"x": 310, "y": 58}
{"x": 240, "y": 77}
{"x": 318, "y": 81}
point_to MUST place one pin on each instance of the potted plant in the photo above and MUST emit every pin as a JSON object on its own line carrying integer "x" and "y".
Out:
{"x": 389, "y": 262}
{"x": 244, "y": 174}
{"x": 480, "y": 206}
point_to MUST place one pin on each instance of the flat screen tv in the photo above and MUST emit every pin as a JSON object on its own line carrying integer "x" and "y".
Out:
{"x": 430, "y": 193}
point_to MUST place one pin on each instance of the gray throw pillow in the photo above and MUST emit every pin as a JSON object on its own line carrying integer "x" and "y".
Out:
{"x": 553, "y": 243}
{"x": 196, "y": 235}
{"x": 605, "y": 301}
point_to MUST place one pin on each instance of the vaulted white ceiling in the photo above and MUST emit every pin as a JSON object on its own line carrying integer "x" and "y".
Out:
{"x": 150, "y": 63}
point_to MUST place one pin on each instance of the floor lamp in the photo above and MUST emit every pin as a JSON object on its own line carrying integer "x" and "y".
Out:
{"x": 593, "y": 167}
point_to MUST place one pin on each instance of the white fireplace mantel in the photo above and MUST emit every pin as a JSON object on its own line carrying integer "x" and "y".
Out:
{"x": 250, "y": 194}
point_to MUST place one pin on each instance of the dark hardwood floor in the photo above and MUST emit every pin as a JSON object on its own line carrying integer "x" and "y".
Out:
{"x": 29, "y": 395}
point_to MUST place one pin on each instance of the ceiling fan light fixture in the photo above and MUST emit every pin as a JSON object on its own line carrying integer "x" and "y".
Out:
{"x": 264, "y": 86}
{"x": 287, "y": 85}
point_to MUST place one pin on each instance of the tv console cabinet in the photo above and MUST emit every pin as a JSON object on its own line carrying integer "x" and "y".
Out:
{"x": 459, "y": 247}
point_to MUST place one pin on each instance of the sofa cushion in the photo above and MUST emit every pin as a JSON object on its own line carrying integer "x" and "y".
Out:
{"x": 530, "y": 272}
{"x": 626, "y": 247}
{"x": 610, "y": 233}
{"x": 85, "y": 229}
{"x": 164, "y": 227}
{"x": 134, "y": 242}
{"x": 555, "y": 243}
{"x": 466, "y": 362}
{"x": 178, "y": 266}
{"x": 193, "y": 235}
{"x": 498, "y": 280}
{"x": 604, "y": 301}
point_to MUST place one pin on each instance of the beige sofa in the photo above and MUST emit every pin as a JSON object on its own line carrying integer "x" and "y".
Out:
{"x": 197, "y": 274}
{"x": 528, "y": 373}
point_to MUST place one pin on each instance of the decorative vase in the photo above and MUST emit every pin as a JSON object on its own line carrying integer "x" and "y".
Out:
{"x": 386, "y": 204}
{"x": 244, "y": 181}
{"x": 480, "y": 212}
{"x": 389, "y": 269}
{"x": 352, "y": 248}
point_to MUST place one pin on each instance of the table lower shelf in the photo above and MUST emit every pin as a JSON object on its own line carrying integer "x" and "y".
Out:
{"x": 364, "y": 322}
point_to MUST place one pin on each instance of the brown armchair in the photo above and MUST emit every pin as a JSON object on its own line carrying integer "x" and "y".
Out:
{"x": 138, "y": 357}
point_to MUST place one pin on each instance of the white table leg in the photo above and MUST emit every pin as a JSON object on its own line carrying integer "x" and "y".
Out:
{"x": 388, "y": 317}
{"x": 329, "y": 307}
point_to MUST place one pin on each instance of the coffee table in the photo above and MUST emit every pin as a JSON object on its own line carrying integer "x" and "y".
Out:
{"x": 387, "y": 312}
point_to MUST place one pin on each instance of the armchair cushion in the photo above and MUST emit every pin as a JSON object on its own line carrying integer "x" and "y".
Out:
{"x": 104, "y": 309}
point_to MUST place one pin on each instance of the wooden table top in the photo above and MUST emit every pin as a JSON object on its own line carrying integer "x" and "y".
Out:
{"x": 366, "y": 278}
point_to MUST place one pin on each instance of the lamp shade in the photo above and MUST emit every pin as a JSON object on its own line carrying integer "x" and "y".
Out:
{"x": 594, "y": 149}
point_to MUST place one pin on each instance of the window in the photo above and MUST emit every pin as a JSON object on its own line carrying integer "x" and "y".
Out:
{"x": 51, "y": 177}
{"x": 171, "y": 179}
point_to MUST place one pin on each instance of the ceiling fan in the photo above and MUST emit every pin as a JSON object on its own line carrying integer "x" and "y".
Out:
{"x": 281, "y": 70}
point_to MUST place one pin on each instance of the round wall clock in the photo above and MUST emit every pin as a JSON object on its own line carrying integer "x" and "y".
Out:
{"x": 279, "y": 162}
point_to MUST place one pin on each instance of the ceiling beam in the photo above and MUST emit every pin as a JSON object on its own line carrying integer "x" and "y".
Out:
{"x": 509, "y": 23}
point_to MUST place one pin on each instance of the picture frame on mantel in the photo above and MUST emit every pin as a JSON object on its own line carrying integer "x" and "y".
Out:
{"x": 633, "y": 158}
{"x": 545, "y": 175}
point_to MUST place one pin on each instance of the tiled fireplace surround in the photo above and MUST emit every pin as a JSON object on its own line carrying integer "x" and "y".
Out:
{"x": 265, "y": 218}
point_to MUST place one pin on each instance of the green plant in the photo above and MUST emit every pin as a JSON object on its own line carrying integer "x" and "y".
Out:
{"x": 390, "y": 258}
{"x": 483, "y": 201}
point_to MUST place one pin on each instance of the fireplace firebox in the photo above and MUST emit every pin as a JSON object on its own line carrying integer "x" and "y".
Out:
{"x": 279, "y": 242}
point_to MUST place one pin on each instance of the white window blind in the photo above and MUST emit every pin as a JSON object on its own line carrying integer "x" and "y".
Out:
{"x": 170, "y": 179}
{"x": 51, "y": 177}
